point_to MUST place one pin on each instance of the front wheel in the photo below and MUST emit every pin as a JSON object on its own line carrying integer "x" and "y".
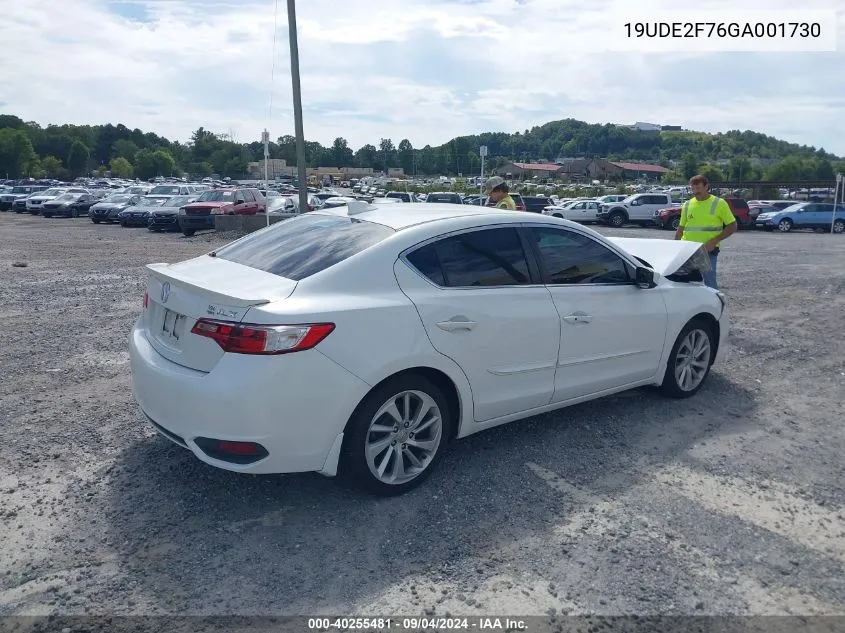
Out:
{"x": 690, "y": 360}
{"x": 396, "y": 436}
{"x": 785, "y": 225}
{"x": 675, "y": 223}
{"x": 188, "y": 232}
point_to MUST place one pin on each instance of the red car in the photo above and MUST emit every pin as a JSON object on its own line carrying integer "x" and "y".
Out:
{"x": 670, "y": 217}
{"x": 199, "y": 215}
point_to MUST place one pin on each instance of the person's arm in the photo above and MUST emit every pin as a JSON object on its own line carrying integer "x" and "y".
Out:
{"x": 679, "y": 233}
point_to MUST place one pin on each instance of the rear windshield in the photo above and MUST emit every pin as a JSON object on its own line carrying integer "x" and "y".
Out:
{"x": 305, "y": 245}
{"x": 442, "y": 197}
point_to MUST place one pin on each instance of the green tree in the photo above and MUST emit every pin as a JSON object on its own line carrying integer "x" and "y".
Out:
{"x": 17, "y": 154}
{"x": 124, "y": 148}
{"x": 52, "y": 167}
{"x": 77, "y": 159}
{"x": 689, "y": 165}
{"x": 341, "y": 153}
{"x": 150, "y": 164}
{"x": 122, "y": 168}
{"x": 406, "y": 156}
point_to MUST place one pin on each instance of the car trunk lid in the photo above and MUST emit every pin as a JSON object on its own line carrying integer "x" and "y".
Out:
{"x": 178, "y": 295}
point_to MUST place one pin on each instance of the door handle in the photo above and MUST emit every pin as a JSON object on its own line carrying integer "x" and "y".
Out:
{"x": 452, "y": 326}
{"x": 578, "y": 318}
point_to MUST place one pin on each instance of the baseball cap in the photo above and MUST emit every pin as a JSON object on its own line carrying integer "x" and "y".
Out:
{"x": 493, "y": 182}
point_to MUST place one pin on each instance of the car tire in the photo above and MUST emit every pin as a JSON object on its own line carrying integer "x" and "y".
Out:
{"x": 557, "y": 215}
{"x": 694, "y": 347}
{"x": 785, "y": 225}
{"x": 616, "y": 219}
{"x": 674, "y": 223}
{"x": 839, "y": 226}
{"x": 188, "y": 232}
{"x": 46, "y": 215}
{"x": 360, "y": 466}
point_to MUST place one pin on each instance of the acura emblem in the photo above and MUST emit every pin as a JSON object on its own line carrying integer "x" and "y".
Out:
{"x": 165, "y": 291}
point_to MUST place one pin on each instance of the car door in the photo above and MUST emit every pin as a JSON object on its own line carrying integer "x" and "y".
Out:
{"x": 591, "y": 210}
{"x": 574, "y": 211}
{"x": 804, "y": 217}
{"x": 612, "y": 332}
{"x": 822, "y": 216}
{"x": 481, "y": 307}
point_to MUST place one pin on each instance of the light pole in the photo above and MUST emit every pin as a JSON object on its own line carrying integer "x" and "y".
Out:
{"x": 297, "y": 107}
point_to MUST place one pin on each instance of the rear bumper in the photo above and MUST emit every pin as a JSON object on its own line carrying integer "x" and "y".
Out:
{"x": 293, "y": 405}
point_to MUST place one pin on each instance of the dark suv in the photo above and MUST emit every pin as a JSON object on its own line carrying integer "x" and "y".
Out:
{"x": 535, "y": 204}
{"x": 670, "y": 217}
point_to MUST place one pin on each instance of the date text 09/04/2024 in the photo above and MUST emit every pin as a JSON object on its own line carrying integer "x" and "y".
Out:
{"x": 782, "y": 30}
{"x": 416, "y": 623}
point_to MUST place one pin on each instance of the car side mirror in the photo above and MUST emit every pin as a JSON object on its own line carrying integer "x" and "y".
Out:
{"x": 645, "y": 277}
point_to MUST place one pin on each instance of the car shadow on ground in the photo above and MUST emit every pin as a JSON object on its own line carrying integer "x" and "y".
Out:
{"x": 195, "y": 538}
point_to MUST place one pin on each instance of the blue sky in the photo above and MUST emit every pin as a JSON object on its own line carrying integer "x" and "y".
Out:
{"x": 426, "y": 70}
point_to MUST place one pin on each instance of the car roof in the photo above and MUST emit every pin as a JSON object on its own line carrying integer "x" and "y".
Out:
{"x": 400, "y": 216}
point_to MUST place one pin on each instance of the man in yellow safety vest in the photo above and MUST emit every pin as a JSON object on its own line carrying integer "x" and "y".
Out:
{"x": 497, "y": 189}
{"x": 707, "y": 219}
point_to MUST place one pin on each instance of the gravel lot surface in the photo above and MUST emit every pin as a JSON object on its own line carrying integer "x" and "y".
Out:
{"x": 732, "y": 502}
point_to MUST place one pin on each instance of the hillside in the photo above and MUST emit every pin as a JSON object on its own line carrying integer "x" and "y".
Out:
{"x": 64, "y": 151}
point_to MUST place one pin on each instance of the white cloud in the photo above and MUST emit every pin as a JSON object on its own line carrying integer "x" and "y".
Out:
{"x": 426, "y": 70}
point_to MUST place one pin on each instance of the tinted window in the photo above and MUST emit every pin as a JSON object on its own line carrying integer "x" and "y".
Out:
{"x": 570, "y": 258}
{"x": 491, "y": 257}
{"x": 443, "y": 197}
{"x": 305, "y": 245}
{"x": 739, "y": 204}
{"x": 426, "y": 261}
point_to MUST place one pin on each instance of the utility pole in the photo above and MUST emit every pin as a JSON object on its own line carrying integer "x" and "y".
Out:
{"x": 297, "y": 107}
{"x": 266, "y": 138}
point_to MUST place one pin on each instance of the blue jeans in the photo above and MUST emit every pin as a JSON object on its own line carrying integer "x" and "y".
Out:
{"x": 710, "y": 276}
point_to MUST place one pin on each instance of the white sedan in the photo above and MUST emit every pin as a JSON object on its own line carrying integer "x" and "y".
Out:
{"x": 360, "y": 340}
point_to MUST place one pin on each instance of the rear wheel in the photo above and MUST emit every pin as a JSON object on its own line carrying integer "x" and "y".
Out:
{"x": 675, "y": 223}
{"x": 690, "y": 360}
{"x": 839, "y": 226}
{"x": 396, "y": 436}
{"x": 616, "y": 219}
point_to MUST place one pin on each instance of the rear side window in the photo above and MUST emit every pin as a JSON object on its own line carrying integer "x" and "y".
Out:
{"x": 305, "y": 245}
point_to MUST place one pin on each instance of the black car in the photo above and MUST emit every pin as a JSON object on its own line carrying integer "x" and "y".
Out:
{"x": 536, "y": 204}
{"x": 139, "y": 214}
{"x": 444, "y": 196}
{"x": 107, "y": 210}
{"x": 70, "y": 205}
{"x": 165, "y": 217}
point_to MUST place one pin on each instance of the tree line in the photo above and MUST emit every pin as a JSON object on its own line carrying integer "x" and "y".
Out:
{"x": 67, "y": 151}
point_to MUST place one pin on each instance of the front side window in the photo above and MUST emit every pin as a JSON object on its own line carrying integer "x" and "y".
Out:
{"x": 571, "y": 258}
{"x": 490, "y": 257}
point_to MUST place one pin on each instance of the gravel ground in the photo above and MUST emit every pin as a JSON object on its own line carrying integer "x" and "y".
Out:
{"x": 732, "y": 502}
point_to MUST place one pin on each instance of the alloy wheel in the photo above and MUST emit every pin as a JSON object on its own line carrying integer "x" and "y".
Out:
{"x": 692, "y": 360}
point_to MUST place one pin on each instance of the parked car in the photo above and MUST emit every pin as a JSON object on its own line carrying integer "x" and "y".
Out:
{"x": 7, "y": 199}
{"x": 582, "y": 211}
{"x": 163, "y": 192}
{"x": 636, "y": 209}
{"x": 34, "y": 202}
{"x": 107, "y": 210}
{"x": 803, "y": 215}
{"x": 70, "y": 205}
{"x": 138, "y": 214}
{"x": 403, "y": 196}
{"x": 670, "y": 217}
{"x": 199, "y": 215}
{"x": 164, "y": 217}
{"x": 440, "y": 197}
{"x": 286, "y": 315}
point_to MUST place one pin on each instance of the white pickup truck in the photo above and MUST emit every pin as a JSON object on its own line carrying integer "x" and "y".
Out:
{"x": 636, "y": 209}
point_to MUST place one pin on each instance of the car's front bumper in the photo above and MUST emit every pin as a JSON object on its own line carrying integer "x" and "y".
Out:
{"x": 294, "y": 405}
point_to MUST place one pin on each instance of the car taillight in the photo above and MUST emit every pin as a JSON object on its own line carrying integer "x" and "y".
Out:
{"x": 310, "y": 207}
{"x": 146, "y": 300}
{"x": 238, "y": 338}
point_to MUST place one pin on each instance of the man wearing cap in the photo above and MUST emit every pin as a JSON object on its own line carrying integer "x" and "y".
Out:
{"x": 497, "y": 190}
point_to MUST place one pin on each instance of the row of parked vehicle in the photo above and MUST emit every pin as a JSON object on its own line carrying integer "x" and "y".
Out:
{"x": 658, "y": 209}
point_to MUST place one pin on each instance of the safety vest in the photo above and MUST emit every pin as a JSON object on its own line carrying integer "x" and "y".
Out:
{"x": 506, "y": 203}
{"x": 703, "y": 227}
